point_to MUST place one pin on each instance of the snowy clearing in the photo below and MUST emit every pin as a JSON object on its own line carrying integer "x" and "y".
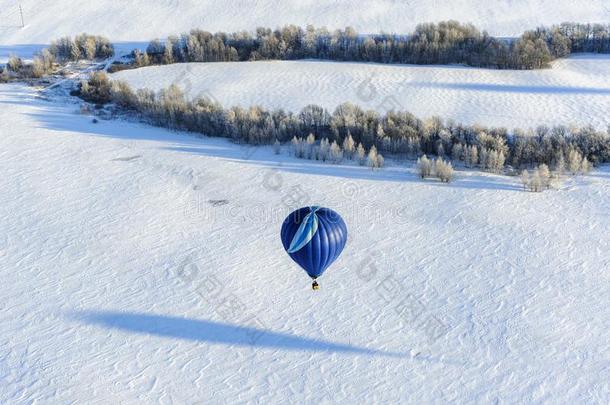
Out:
{"x": 575, "y": 91}
{"x": 473, "y": 292}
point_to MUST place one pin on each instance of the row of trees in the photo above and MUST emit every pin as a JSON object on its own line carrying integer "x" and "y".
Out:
{"x": 541, "y": 177}
{"x": 309, "y": 148}
{"x": 83, "y": 46}
{"x": 442, "y": 43}
{"x": 396, "y": 133}
{"x": 539, "y": 180}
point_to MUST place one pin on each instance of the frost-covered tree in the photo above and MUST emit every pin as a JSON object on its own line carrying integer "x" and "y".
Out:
{"x": 311, "y": 146}
{"x": 168, "y": 53}
{"x": 424, "y": 167}
{"x": 525, "y": 179}
{"x": 456, "y": 152}
{"x": 499, "y": 159}
{"x": 14, "y": 64}
{"x": 294, "y": 143}
{"x": 443, "y": 170}
{"x": 371, "y": 159}
{"x": 545, "y": 175}
{"x": 155, "y": 47}
{"x": 86, "y": 45}
{"x": 38, "y": 69}
{"x": 574, "y": 161}
{"x": 535, "y": 183}
{"x": 361, "y": 155}
{"x": 349, "y": 147}
{"x": 560, "y": 164}
{"x": 585, "y": 166}
{"x": 141, "y": 59}
{"x": 323, "y": 150}
{"x": 336, "y": 154}
{"x": 47, "y": 59}
{"x": 473, "y": 156}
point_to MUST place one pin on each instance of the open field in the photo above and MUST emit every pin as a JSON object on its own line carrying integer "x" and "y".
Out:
{"x": 473, "y": 292}
{"x": 575, "y": 91}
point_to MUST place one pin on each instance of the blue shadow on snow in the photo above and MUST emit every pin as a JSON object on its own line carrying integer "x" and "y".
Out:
{"x": 216, "y": 332}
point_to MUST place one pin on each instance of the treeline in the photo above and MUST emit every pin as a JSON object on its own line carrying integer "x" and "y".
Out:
{"x": 443, "y": 43}
{"x": 397, "y": 133}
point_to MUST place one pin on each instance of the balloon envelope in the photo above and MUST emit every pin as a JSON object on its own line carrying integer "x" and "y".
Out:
{"x": 314, "y": 237}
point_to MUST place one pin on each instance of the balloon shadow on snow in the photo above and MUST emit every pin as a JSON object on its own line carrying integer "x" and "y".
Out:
{"x": 217, "y": 333}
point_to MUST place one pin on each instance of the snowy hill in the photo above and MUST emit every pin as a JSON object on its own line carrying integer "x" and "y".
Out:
{"x": 575, "y": 91}
{"x": 142, "y": 20}
{"x": 140, "y": 265}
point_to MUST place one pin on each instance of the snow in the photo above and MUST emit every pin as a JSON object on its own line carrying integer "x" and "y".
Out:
{"x": 123, "y": 282}
{"x": 143, "y": 20}
{"x": 575, "y": 91}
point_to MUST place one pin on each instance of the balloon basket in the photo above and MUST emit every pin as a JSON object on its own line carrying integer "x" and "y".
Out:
{"x": 315, "y": 286}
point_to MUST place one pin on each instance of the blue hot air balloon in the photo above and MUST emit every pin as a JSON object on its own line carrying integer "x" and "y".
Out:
{"x": 314, "y": 237}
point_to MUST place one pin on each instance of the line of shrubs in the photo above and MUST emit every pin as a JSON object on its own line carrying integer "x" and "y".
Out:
{"x": 397, "y": 133}
{"x": 17, "y": 69}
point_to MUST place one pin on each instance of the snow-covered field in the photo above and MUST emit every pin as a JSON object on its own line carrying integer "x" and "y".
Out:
{"x": 575, "y": 91}
{"x": 139, "y": 265}
{"x": 142, "y": 20}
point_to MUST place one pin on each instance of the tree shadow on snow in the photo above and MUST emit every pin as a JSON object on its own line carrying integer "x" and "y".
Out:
{"x": 509, "y": 88}
{"x": 217, "y": 333}
{"x": 59, "y": 118}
